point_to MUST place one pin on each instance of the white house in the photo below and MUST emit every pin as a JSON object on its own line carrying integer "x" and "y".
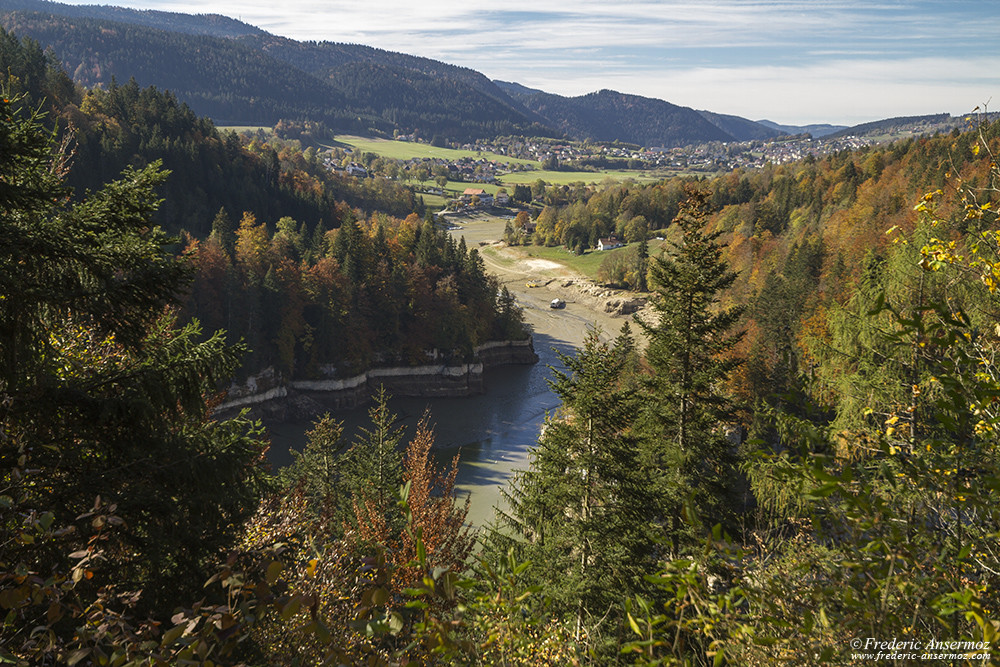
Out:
{"x": 608, "y": 244}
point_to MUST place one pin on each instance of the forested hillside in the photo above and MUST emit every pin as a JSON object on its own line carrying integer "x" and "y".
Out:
{"x": 200, "y": 24}
{"x": 274, "y": 238}
{"x": 236, "y": 74}
{"x": 608, "y": 115}
{"x": 252, "y": 79}
{"x": 372, "y": 292}
{"x": 127, "y": 125}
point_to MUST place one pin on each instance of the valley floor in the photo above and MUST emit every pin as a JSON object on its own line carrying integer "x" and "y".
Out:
{"x": 536, "y": 282}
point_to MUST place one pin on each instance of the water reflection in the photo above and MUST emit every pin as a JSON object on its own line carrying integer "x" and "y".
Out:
{"x": 492, "y": 432}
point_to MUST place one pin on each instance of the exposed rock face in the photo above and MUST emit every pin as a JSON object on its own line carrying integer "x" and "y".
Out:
{"x": 625, "y": 306}
{"x": 270, "y": 396}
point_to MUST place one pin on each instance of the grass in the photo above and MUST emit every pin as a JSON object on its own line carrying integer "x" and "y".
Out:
{"x": 405, "y": 150}
{"x": 434, "y": 202}
{"x": 588, "y": 177}
{"x": 455, "y": 188}
{"x": 589, "y": 263}
{"x": 502, "y": 260}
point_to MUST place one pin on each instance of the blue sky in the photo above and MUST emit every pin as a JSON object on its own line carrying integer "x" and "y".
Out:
{"x": 790, "y": 61}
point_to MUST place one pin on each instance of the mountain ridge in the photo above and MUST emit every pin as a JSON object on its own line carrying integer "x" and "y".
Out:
{"x": 237, "y": 73}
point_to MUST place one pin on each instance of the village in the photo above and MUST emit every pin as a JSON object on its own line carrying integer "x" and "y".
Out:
{"x": 709, "y": 158}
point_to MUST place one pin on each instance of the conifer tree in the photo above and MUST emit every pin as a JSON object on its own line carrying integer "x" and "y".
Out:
{"x": 319, "y": 468}
{"x": 580, "y": 512}
{"x": 374, "y": 467}
{"x": 686, "y": 411}
{"x": 108, "y": 445}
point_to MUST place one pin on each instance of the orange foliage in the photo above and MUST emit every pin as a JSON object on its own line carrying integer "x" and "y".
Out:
{"x": 434, "y": 514}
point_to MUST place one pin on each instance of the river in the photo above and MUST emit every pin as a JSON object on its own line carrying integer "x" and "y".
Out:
{"x": 491, "y": 432}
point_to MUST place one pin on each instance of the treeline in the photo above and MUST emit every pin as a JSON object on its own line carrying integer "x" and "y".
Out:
{"x": 381, "y": 291}
{"x": 313, "y": 283}
{"x": 801, "y": 235}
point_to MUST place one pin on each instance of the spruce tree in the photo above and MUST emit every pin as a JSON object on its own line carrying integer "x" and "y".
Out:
{"x": 319, "y": 469}
{"x": 108, "y": 447}
{"x": 579, "y": 514}
{"x": 374, "y": 467}
{"x": 687, "y": 354}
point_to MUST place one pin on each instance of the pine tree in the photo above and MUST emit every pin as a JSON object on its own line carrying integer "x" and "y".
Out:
{"x": 319, "y": 469}
{"x": 687, "y": 351}
{"x": 224, "y": 231}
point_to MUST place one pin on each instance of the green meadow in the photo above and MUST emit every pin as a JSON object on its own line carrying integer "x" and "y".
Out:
{"x": 588, "y": 263}
{"x": 587, "y": 177}
{"x": 406, "y": 150}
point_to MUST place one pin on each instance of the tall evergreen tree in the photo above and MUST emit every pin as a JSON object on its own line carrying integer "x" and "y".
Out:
{"x": 375, "y": 462}
{"x": 687, "y": 353}
{"x": 107, "y": 443}
{"x": 580, "y": 512}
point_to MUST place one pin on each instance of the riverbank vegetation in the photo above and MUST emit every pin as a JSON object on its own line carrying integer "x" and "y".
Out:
{"x": 804, "y": 454}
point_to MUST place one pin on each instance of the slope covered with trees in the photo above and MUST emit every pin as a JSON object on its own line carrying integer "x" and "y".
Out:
{"x": 236, "y": 74}
{"x": 259, "y": 79}
{"x": 608, "y": 115}
{"x": 843, "y": 311}
{"x": 126, "y": 125}
{"x": 382, "y": 291}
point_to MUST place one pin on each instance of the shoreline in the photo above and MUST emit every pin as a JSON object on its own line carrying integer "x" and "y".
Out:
{"x": 270, "y": 396}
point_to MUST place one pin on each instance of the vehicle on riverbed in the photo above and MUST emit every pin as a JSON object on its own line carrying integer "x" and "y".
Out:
{"x": 557, "y": 303}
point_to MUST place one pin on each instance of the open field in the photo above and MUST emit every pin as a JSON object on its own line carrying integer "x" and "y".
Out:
{"x": 455, "y": 188}
{"x": 405, "y": 150}
{"x": 588, "y": 177}
{"x": 587, "y": 264}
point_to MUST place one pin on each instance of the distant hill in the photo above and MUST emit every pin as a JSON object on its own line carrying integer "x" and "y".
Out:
{"x": 516, "y": 89}
{"x": 216, "y": 77}
{"x": 383, "y": 83}
{"x": 236, "y": 73}
{"x": 817, "y": 131}
{"x": 246, "y": 76}
{"x": 214, "y": 25}
{"x": 608, "y": 115}
{"x": 915, "y": 124}
{"x": 741, "y": 129}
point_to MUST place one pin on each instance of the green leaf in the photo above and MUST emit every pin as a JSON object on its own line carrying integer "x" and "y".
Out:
{"x": 380, "y": 596}
{"x": 171, "y": 635}
{"x": 634, "y": 625}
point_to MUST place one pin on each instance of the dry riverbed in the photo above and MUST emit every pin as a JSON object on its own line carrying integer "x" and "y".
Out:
{"x": 536, "y": 282}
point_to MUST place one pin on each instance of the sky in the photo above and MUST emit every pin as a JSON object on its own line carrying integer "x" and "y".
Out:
{"x": 790, "y": 61}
